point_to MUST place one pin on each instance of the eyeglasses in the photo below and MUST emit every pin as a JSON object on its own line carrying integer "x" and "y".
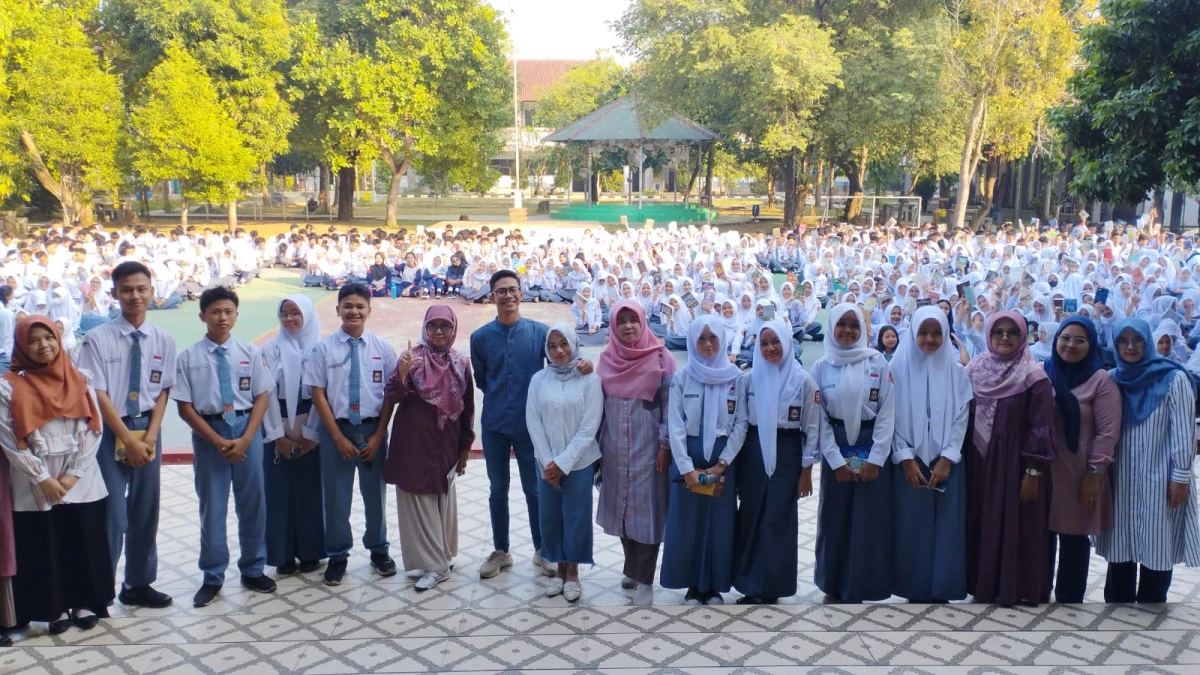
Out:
{"x": 1013, "y": 334}
{"x": 1076, "y": 341}
{"x": 507, "y": 290}
{"x": 440, "y": 328}
{"x": 1126, "y": 344}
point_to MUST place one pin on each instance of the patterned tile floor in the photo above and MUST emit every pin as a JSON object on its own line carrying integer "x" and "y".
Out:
{"x": 373, "y": 625}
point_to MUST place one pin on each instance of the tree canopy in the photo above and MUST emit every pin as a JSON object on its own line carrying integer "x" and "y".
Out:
{"x": 1134, "y": 122}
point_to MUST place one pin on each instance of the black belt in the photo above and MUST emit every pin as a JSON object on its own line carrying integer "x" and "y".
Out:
{"x": 783, "y": 432}
{"x": 303, "y": 407}
{"x": 217, "y": 417}
{"x": 864, "y": 424}
{"x": 365, "y": 420}
{"x": 134, "y": 418}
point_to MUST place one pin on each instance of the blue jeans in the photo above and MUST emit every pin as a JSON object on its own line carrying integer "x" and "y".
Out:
{"x": 215, "y": 476}
{"x": 565, "y": 514}
{"x": 132, "y": 506}
{"x": 337, "y": 479}
{"x": 496, "y": 451}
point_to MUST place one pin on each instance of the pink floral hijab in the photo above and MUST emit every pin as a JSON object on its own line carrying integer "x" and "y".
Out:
{"x": 440, "y": 379}
{"x": 994, "y": 377}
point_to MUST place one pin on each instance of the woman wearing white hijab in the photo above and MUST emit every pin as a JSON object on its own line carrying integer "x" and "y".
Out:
{"x": 563, "y": 414}
{"x": 706, "y": 431}
{"x": 774, "y": 468}
{"x": 291, "y": 471}
{"x": 929, "y": 505}
{"x": 854, "y": 541}
{"x": 1043, "y": 349}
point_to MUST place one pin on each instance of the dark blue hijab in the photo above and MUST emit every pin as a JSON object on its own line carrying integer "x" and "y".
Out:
{"x": 1143, "y": 384}
{"x": 1066, "y": 376}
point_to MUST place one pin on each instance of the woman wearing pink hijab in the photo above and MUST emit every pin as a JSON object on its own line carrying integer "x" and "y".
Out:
{"x": 1008, "y": 505}
{"x": 635, "y": 371}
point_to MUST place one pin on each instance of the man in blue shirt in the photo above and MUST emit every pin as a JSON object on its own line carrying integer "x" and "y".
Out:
{"x": 504, "y": 356}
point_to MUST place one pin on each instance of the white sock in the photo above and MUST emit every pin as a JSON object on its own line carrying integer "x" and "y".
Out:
{"x": 84, "y": 613}
{"x": 644, "y": 595}
{"x": 64, "y": 617}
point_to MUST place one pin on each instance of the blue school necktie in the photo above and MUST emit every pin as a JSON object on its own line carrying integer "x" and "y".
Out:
{"x": 226, "y": 383}
{"x": 355, "y": 382}
{"x": 132, "y": 407}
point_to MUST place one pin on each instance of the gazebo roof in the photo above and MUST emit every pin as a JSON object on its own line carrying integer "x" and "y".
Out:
{"x": 621, "y": 120}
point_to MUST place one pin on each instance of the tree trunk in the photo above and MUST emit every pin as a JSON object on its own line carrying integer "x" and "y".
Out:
{"x": 770, "y": 186}
{"x": 855, "y": 174}
{"x": 969, "y": 160}
{"x": 708, "y": 174}
{"x": 144, "y": 202}
{"x": 183, "y": 207}
{"x": 687, "y": 192}
{"x": 166, "y": 197}
{"x": 994, "y": 169}
{"x": 345, "y": 193}
{"x": 266, "y": 188}
{"x": 74, "y": 205}
{"x": 1047, "y": 194}
{"x": 231, "y": 208}
{"x": 397, "y": 171}
{"x": 796, "y": 186}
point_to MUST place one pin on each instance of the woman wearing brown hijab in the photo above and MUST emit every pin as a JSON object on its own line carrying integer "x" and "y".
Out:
{"x": 50, "y": 430}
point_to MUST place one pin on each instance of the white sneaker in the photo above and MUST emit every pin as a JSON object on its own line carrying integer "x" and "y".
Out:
{"x": 413, "y": 575}
{"x": 644, "y": 597}
{"x": 555, "y": 587}
{"x": 628, "y": 584}
{"x": 496, "y": 561}
{"x": 715, "y": 600}
{"x": 572, "y": 590}
{"x": 430, "y": 580}
{"x": 546, "y": 568}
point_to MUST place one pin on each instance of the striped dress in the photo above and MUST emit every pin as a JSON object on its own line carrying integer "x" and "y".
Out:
{"x": 633, "y": 496}
{"x": 1161, "y": 449}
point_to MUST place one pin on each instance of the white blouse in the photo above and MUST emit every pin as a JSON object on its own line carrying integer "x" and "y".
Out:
{"x": 59, "y": 447}
{"x": 802, "y": 413}
{"x": 877, "y": 404}
{"x": 563, "y": 417}
{"x": 685, "y": 409}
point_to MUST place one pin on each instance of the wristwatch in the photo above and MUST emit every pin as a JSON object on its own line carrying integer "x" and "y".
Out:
{"x": 1033, "y": 472}
{"x": 1095, "y": 469}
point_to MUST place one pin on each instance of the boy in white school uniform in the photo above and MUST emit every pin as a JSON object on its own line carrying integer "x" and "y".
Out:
{"x": 222, "y": 387}
{"x": 348, "y": 372}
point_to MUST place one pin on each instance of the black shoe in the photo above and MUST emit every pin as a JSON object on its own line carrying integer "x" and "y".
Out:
{"x": 383, "y": 564}
{"x": 205, "y": 596}
{"x": 59, "y": 627}
{"x": 5, "y": 641}
{"x": 312, "y": 566}
{"x": 259, "y": 584}
{"x": 335, "y": 572}
{"x": 749, "y": 600}
{"x": 289, "y": 568}
{"x": 84, "y": 622}
{"x": 144, "y": 596}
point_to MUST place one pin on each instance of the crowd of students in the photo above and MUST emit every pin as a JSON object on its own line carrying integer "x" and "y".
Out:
{"x": 938, "y": 481}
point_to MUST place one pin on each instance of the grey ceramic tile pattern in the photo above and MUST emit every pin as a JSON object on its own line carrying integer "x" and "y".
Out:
{"x": 507, "y": 625}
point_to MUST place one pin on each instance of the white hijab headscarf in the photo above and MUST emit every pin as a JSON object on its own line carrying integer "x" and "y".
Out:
{"x": 775, "y": 386}
{"x": 851, "y": 387}
{"x": 716, "y": 374}
{"x": 292, "y": 349}
{"x": 932, "y": 389}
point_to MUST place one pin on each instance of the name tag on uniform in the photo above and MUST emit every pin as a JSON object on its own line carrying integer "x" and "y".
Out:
{"x": 377, "y": 376}
{"x": 155, "y": 376}
{"x": 729, "y": 405}
{"x": 244, "y": 383}
{"x": 874, "y": 396}
{"x": 353, "y": 407}
{"x": 794, "y": 413}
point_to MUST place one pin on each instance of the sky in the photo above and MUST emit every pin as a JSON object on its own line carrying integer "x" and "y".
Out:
{"x": 563, "y": 29}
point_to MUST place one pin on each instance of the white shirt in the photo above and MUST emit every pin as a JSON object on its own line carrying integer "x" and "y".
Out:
{"x": 328, "y": 366}
{"x": 58, "y": 447}
{"x": 685, "y": 407}
{"x": 105, "y": 357}
{"x": 802, "y": 412}
{"x": 197, "y": 380}
{"x": 563, "y": 417}
{"x": 876, "y": 401}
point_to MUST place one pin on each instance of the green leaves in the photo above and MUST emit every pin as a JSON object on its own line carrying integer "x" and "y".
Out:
{"x": 1135, "y": 121}
{"x": 183, "y": 132}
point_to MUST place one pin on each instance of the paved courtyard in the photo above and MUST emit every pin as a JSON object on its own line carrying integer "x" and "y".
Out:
{"x": 373, "y": 625}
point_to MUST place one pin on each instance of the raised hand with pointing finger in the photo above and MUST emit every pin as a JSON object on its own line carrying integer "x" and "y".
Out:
{"x": 407, "y": 362}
